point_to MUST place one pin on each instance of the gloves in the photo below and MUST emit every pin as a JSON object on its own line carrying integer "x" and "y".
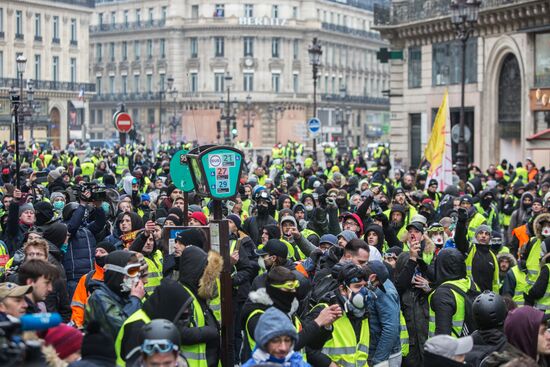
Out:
{"x": 462, "y": 214}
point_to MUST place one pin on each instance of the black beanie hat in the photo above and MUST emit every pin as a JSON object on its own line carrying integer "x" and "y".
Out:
{"x": 56, "y": 234}
{"x": 107, "y": 246}
{"x": 43, "y": 212}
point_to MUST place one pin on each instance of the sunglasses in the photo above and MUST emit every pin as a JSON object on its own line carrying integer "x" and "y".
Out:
{"x": 152, "y": 346}
{"x": 290, "y": 285}
{"x": 131, "y": 270}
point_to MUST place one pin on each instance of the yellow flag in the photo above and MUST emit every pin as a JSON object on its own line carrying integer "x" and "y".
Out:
{"x": 435, "y": 150}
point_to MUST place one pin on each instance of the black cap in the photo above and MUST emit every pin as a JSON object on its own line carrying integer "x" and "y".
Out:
{"x": 416, "y": 225}
{"x": 433, "y": 181}
{"x": 273, "y": 247}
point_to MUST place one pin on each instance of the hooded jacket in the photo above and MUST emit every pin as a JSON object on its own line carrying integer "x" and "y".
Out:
{"x": 520, "y": 215}
{"x": 522, "y": 328}
{"x": 379, "y": 232}
{"x": 449, "y": 265}
{"x": 117, "y": 238}
{"x": 198, "y": 272}
{"x": 108, "y": 304}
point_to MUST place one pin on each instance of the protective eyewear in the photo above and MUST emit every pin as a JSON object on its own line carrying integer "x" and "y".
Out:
{"x": 290, "y": 285}
{"x": 131, "y": 270}
{"x": 152, "y": 346}
{"x": 390, "y": 256}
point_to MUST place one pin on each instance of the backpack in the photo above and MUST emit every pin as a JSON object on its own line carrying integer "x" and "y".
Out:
{"x": 469, "y": 296}
{"x": 89, "y": 283}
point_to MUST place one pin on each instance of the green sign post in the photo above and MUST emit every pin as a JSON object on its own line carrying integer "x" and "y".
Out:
{"x": 180, "y": 172}
{"x": 216, "y": 171}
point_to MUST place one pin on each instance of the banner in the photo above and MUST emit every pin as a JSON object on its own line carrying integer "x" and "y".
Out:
{"x": 439, "y": 149}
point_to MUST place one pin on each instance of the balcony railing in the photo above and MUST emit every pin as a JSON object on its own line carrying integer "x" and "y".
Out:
{"x": 50, "y": 85}
{"x": 352, "y": 31}
{"x": 118, "y": 27}
{"x": 417, "y": 10}
{"x": 86, "y": 3}
{"x": 134, "y": 96}
{"x": 355, "y": 99}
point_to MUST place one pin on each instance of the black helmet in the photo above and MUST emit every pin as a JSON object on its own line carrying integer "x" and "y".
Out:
{"x": 69, "y": 209}
{"x": 489, "y": 310}
{"x": 160, "y": 329}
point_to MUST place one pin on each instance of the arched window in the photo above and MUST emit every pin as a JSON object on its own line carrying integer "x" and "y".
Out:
{"x": 509, "y": 98}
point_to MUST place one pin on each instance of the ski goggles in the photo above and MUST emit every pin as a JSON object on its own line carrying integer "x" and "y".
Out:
{"x": 290, "y": 285}
{"x": 131, "y": 270}
{"x": 152, "y": 346}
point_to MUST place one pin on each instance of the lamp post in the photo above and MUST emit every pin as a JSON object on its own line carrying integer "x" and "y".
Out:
{"x": 16, "y": 109}
{"x": 174, "y": 124}
{"x": 464, "y": 16}
{"x": 162, "y": 95}
{"x": 315, "y": 51}
{"x": 249, "y": 124}
{"x": 228, "y": 110}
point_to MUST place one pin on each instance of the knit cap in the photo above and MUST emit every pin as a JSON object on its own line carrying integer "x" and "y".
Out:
{"x": 23, "y": 208}
{"x": 65, "y": 339}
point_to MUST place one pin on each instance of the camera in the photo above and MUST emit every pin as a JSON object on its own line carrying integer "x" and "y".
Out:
{"x": 98, "y": 192}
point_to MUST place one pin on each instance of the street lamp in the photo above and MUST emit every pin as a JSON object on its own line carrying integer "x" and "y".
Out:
{"x": 174, "y": 94}
{"x": 249, "y": 124}
{"x": 274, "y": 113}
{"x": 162, "y": 95}
{"x": 315, "y": 51}
{"x": 228, "y": 111}
{"x": 16, "y": 105}
{"x": 464, "y": 16}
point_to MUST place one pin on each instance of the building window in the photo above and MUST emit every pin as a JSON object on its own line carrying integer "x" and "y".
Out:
{"x": 18, "y": 24}
{"x": 136, "y": 83}
{"x": 415, "y": 67}
{"x": 149, "y": 49}
{"x": 113, "y": 18}
{"x": 73, "y": 32}
{"x": 275, "y": 42}
{"x": 73, "y": 70}
{"x": 295, "y": 12}
{"x": 124, "y": 84}
{"x": 55, "y": 68}
{"x": 219, "y": 46}
{"x": 275, "y": 11}
{"x": 163, "y": 13}
{"x": 137, "y": 50}
{"x": 326, "y": 84}
{"x": 415, "y": 142}
{"x": 296, "y": 49}
{"x": 98, "y": 86}
{"x": 124, "y": 50}
{"x": 194, "y": 82}
{"x": 38, "y": 27}
{"x": 100, "y": 20}
{"x": 150, "y": 16}
{"x": 99, "y": 52}
{"x": 37, "y": 67}
{"x": 248, "y": 10}
{"x": 162, "y": 77}
{"x": 219, "y": 82}
{"x": 249, "y": 46}
{"x": 1, "y": 22}
{"x": 149, "y": 83}
{"x": 1, "y": 64}
{"x": 112, "y": 84}
{"x": 542, "y": 59}
{"x": 92, "y": 117}
{"x": 194, "y": 45}
{"x": 248, "y": 82}
{"x": 126, "y": 18}
{"x": 55, "y": 29}
{"x": 446, "y": 62}
{"x": 275, "y": 82}
{"x": 219, "y": 12}
{"x": 99, "y": 117}
{"x": 112, "y": 51}
{"x": 162, "y": 47}
{"x": 194, "y": 11}
{"x": 295, "y": 82}
{"x": 138, "y": 16}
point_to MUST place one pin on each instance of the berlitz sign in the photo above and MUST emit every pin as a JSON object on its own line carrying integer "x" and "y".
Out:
{"x": 262, "y": 21}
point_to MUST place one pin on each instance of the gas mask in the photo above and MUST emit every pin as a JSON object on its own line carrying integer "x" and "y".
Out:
{"x": 309, "y": 208}
{"x": 356, "y": 303}
{"x": 128, "y": 283}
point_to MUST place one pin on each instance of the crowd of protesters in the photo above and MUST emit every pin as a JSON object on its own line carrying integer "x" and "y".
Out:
{"x": 345, "y": 264}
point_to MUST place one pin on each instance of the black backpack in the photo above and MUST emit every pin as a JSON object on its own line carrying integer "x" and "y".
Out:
{"x": 469, "y": 296}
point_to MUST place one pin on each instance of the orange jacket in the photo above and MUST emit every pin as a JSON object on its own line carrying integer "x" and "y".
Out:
{"x": 80, "y": 297}
{"x": 522, "y": 235}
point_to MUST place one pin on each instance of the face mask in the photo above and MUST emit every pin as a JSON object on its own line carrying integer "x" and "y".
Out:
{"x": 359, "y": 299}
{"x": 309, "y": 208}
{"x": 437, "y": 239}
{"x": 64, "y": 247}
{"x": 281, "y": 299}
{"x": 129, "y": 283}
{"x": 545, "y": 231}
{"x": 261, "y": 262}
{"x": 263, "y": 210}
{"x": 527, "y": 205}
{"x": 106, "y": 207}
{"x": 100, "y": 260}
{"x": 58, "y": 205}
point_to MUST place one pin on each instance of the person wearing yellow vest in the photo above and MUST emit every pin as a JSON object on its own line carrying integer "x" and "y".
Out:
{"x": 145, "y": 244}
{"x": 122, "y": 162}
{"x": 481, "y": 262}
{"x": 154, "y": 307}
{"x": 276, "y": 338}
{"x": 539, "y": 294}
{"x": 88, "y": 168}
{"x": 475, "y": 219}
{"x": 159, "y": 345}
{"x": 447, "y": 306}
{"x": 515, "y": 284}
{"x": 538, "y": 245}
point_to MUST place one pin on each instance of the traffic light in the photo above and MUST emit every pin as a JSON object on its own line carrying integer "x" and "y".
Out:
{"x": 234, "y": 129}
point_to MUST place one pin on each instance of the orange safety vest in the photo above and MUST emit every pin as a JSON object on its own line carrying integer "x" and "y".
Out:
{"x": 300, "y": 268}
{"x": 80, "y": 297}
{"x": 521, "y": 233}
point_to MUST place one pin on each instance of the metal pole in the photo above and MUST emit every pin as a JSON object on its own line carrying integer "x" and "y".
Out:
{"x": 228, "y": 117}
{"x": 314, "y": 109}
{"x": 160, "y": 116}
{"x": 247, "y": 123}
{"x": 462, "y": 155}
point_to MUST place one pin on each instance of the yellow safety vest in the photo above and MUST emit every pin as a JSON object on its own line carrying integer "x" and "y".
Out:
{"x": 47, "y": 159}
{"x": 122, "y": 163}
{"x": 532, "y": 262}
{"x": 196, "y": 353}
{"x": 543, "y": 303}
{"x": 403, "y": 335}
{"x": 521, "y": 285}
{"x": 251, "y": 341}
{"x": 154, "y": 271}
{"x": 469, "y": 261}
{"x": 458, "y": 317}
{"x": 343, "y": 348}
{"x": 88, "y": 169}
{"x": 139, "y": 315}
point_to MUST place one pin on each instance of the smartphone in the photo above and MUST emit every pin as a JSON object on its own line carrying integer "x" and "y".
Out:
{"x": 41, "y": 177}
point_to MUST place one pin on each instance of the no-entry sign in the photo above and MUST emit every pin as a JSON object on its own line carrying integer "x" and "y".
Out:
{"x": 123, "y": 122}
